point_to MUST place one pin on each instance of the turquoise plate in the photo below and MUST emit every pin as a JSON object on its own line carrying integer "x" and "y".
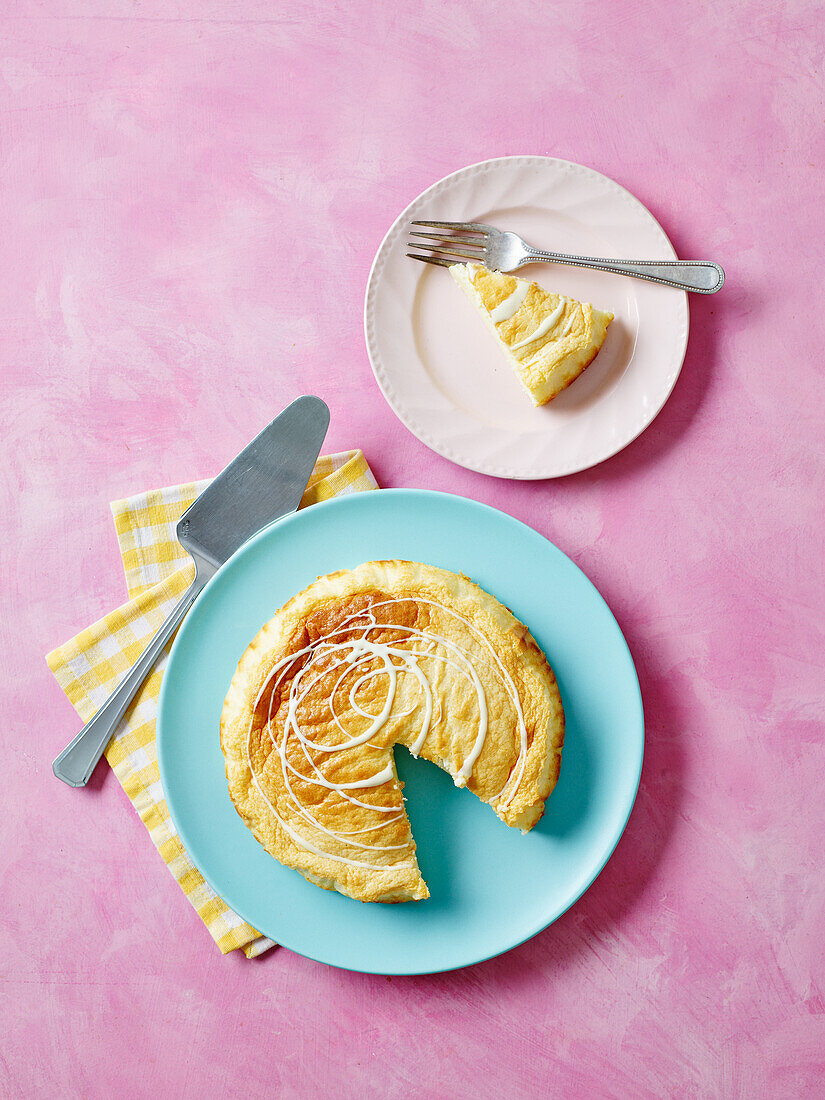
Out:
{"x": 491, "y": 888}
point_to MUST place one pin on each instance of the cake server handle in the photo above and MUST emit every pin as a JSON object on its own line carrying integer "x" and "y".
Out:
{"x": 77, "y": 761}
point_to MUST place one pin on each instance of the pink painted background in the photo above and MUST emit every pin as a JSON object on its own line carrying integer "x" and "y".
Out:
{"x": 192, "y": 194}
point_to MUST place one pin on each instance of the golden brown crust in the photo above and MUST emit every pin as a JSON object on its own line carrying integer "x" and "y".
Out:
{"x": 412, "y": 615}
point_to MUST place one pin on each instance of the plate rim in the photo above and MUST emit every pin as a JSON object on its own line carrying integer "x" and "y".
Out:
{"x": 622, "y": 818}
{"x": 490, "y": 469}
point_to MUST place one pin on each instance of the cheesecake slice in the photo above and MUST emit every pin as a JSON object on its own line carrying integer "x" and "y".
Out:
{"x": 548, "y": 338}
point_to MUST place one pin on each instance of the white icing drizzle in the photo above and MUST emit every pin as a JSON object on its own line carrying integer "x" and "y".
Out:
{"x": 568, "y": 324}
{"x": 510, "y": 306}
{"x": 379, "y": 660}
{"x": 544, "y": 327}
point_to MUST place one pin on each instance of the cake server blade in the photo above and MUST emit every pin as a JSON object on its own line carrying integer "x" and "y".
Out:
{"x": 265, "y": 482}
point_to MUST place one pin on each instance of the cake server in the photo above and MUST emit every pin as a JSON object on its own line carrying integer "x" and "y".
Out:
{"x": 265, "y": 482}
{"x": 468, "y": 242}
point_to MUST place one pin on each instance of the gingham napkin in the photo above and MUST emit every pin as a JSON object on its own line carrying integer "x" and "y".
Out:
{"x": 89, "y": 667}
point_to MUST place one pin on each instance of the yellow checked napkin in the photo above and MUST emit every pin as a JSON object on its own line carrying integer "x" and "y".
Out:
{"x": 89, "y": 667}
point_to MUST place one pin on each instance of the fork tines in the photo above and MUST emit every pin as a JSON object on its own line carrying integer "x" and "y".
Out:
{"x": 465, "y": 241}
{"x": 467, "y": 227}
{"x": 432, "y": 259}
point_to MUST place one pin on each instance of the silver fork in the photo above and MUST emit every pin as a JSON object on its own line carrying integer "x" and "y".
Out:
{"x": 468, "y": 242}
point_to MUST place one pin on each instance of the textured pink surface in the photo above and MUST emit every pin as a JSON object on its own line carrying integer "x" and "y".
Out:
{"x": 191, "y": 201}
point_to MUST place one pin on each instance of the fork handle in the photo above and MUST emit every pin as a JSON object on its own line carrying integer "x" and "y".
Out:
{"x": 77, "y": 761}
{"x": 698, "y": 276}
